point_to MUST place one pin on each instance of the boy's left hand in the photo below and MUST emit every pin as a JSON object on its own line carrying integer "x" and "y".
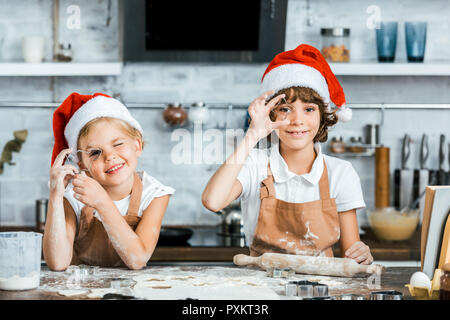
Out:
{"x": 359, "y": 252}
{"x": 89, "y": 191}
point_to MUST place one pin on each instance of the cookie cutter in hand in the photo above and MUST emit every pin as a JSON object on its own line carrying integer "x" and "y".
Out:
{"x": 278, "y": 114}
{"x": 69, "y": 159}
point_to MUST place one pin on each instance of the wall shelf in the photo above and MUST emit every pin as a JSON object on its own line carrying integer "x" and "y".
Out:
{"x": 238, "y": 106}
{"x": 354, "y": 68}
{"x": 61, "y": 69}
{"x": 401, "y": 68}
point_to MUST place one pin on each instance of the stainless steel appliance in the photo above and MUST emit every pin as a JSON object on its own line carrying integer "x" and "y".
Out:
{"x": 203, "y": 30}
{"x": 231, "y": 228}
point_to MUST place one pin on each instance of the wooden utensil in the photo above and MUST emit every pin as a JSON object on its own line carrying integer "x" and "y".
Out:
{"x": 325, "y": 266}
{"x": 382, "y": 177}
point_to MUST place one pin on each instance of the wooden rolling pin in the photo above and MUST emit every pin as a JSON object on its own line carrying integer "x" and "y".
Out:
{"x": 325, "y": 266}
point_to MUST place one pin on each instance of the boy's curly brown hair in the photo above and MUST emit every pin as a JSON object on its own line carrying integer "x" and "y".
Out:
{"x": 308, "y": 95}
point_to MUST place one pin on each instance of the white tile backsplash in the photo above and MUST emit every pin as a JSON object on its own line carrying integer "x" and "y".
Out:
{"x": 210, "y": 82}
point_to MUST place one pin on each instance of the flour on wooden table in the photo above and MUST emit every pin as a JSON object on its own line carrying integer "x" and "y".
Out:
{"x": 201, "y": 285}
{"x": 195, "y": 282}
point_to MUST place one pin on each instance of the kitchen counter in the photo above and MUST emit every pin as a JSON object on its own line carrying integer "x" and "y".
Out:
{"x": 206, "y": 245}
{"x": 225, "y": 274}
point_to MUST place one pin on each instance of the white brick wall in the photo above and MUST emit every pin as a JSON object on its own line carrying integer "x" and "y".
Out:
{"x": 20, "y": 185}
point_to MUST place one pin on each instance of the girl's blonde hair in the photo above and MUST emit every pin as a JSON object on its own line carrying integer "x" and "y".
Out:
{"x": 126, "y": 128}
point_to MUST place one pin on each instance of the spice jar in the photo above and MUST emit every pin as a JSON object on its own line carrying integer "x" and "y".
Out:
{"x": 337, "y": 145}
{"x": 336, "y": 44}
{"x": 64, "y": 53}
{"x": 444, "y": 292}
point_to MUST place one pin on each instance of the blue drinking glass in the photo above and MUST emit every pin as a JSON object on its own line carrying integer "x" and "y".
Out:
{"x": 386, "y": 41}
{"x": 416, "y": 37}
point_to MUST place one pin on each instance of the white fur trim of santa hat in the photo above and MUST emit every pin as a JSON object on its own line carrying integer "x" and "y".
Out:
{"x": 300, "y": 75}
{"x": 97, "y": 107}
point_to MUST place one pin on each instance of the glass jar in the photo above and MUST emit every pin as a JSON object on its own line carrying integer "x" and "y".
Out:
{"x": 65, "y": 53}
{"x": 335, "y": 44}
{"x": 198, "y": 113}
{"x": 444, "y": 292}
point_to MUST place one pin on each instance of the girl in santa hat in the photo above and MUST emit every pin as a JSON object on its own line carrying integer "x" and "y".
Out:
{"x": 294, "y": 198}
{"x": 101, "y": 211}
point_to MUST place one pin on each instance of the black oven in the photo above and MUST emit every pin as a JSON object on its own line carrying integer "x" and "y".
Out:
{"x": 203, "y": 30}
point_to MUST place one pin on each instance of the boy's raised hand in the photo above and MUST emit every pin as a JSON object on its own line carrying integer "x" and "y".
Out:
{"x": 60, "y": 174}
{"x": 259, "y": 111}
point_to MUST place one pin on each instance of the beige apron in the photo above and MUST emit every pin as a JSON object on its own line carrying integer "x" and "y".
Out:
{"x": 308, "y": 228}
{"x": 92, "y": 245}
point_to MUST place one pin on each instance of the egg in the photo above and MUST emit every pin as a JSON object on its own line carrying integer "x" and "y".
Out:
{"x": 420, "y": 279}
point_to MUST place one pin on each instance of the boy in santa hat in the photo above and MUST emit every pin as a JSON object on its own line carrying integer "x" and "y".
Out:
{"x": 294, "y": 198}
{"x": 101, "y": 211}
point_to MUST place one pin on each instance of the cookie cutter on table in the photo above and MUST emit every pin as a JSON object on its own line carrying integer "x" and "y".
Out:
{"x": 307, "y": 289}
{"x": 280, "y": 273}
{"x": 386, "y": 295}
{"x": 83, "y": 270}
{"x": 290, "y": 289}
{"x": 322, "y": 298}
{"x": 351, "y": 296}
{"x": 119, "y": 283}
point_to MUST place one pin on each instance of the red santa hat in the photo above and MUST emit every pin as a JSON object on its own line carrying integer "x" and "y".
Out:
{"x": 306, "y": 67}
{"x": 76, "y": 111}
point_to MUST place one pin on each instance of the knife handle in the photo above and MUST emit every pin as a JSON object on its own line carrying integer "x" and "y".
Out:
{"x": 405, "y": 150}
{"x": 423, "y": 151}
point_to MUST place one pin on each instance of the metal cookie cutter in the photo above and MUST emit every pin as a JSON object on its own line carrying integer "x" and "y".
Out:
{"x": 320, "y": 290}
{"x": 351, "y": 296}
{"x": 323, "y": 298}
{"x": 305, "y": 289}
{"x": 291, "y": 289}
{"x": 85, "y": 271}
{"x": 280, "y": 273}
{"x": 386, "y": 295}
{"x": 118, "y": 283}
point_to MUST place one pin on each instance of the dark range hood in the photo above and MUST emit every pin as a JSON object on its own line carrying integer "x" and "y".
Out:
{"x": 203, "y": 30}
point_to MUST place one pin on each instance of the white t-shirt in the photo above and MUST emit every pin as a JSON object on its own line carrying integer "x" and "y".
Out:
{"x": 151, "y": 188}
{"x": 344, "y": 183}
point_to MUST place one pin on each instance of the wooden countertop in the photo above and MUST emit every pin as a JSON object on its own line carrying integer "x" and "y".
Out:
{"x": 393, "y": 279}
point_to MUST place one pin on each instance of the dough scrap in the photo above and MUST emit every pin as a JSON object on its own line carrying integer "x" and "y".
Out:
{"x": 72, "y": 292}
{"x": 100, "y": 292}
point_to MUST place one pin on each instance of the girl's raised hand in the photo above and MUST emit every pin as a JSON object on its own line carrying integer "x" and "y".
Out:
{"x": 259, "y": 112}
{"x": 88, "y": 191}
{"x": 60, "y": 174}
